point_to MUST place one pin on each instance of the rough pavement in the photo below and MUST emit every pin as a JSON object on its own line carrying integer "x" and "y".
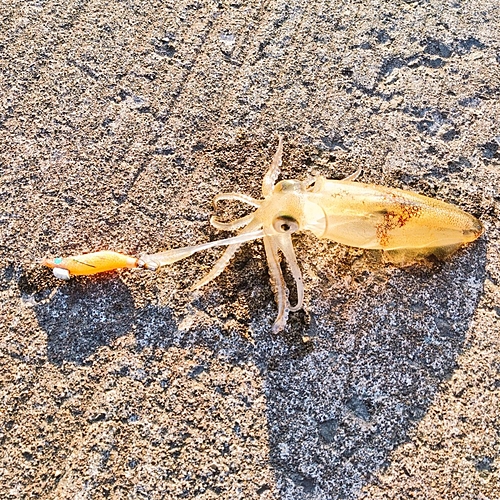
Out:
{"x": 119, "y": 121}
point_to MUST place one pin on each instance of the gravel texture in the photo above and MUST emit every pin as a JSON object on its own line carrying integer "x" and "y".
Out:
{"x": 119, "y": 122}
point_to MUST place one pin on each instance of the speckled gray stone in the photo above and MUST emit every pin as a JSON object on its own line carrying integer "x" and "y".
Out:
{"x": 119, "y": 122}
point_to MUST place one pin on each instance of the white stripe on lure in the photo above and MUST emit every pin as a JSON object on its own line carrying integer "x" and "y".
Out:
{"x": 405, "y": 224}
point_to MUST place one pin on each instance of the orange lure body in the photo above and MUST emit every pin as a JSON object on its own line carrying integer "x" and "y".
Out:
{"x": 90, "y": 263}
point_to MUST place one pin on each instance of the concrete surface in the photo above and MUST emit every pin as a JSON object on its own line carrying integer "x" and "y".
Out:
{"x": 119, "y": 121}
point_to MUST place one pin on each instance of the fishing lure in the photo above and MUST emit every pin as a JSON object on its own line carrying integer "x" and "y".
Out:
{"x": 404, "y": 224}
{"x": 90, "y": 263}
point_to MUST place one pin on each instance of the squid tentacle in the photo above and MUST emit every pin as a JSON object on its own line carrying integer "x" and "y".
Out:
{"x": 286, "y": 247}
{"x": 232, "y": 225}
{"x": 156, "y": 260}
{"x": 277, "y": 283}
{"x": 274, "y": 170}
{"x": 223, "y": 261}
{"x": 353, "y": 176}
{"x": 218, "y": 267}
{"x": 244, "y": 198}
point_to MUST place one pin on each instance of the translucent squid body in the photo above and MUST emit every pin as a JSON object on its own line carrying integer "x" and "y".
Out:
{"x": 406, "y": 225}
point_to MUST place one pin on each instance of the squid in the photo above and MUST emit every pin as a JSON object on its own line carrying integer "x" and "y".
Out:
{"x": 406, "y": 225}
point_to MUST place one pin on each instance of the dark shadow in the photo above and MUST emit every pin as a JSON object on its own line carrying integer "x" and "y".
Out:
{"x": 78, "y": 316}
{"x": 382, "y": 347}
{"x": 344, "y": 384}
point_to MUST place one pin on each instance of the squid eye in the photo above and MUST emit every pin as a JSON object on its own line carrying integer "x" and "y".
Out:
{"x": 285, "y": 224}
